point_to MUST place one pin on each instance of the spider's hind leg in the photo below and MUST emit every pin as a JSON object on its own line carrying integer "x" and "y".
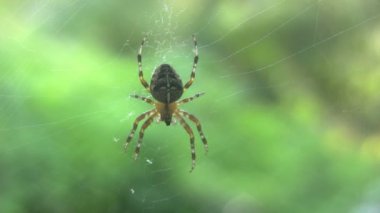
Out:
{"x": 199, "y": 127}
{"x": 141, "y": 134}
{"x": 135, "y": 124}
{"x": 191, "y": 134}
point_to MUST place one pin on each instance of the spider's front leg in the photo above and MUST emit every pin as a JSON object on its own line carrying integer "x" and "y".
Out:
{"x": 139, "y": 61}
{"x": 195, "y": 63}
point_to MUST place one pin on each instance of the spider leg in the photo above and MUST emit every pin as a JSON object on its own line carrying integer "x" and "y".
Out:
{"x": 139, "y": 60}
{"x": 135, "y": 124}
{"x": 147, "y": 100}
{"x": 199, "y": 127}
{"x": 191, "y": 134}
{"x": 192, "y": 77}
{"x": 185, "y": 100}
{"x": 141, "y": 134}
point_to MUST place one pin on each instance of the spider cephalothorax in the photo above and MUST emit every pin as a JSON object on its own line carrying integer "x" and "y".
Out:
{"x": 166, "y": 88}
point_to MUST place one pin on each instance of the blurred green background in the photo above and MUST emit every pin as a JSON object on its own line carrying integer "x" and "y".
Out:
{"x": 291, "y": 110}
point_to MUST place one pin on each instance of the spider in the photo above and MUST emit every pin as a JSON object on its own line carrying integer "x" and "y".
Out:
{"x": 166, "y": 88}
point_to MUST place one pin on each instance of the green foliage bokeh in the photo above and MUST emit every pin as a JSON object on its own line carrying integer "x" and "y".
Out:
{"x": 291, "y": 109}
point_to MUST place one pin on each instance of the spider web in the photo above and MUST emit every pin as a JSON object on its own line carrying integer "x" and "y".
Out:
{"x": 160, "y": 176}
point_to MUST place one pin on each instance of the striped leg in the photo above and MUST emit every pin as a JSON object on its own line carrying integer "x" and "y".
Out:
{"x": 139, "y": 60}
{"x": 147, "y": 100}
{"x": 141, "y": 134}
{"x": 199, "y": 127}
{"x": 195, "y": 63}
{"x": 191, "y": 134}
{"x": 135, "y": 124}
{"x": 185, "y": 100}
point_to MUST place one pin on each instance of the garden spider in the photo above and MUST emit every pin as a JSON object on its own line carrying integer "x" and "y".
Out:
{"x": 166, "y": 88}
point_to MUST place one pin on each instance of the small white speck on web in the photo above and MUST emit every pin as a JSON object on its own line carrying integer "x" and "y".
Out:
{"x": 149, "y": 161}
{"x": 166, "y": 7}
{"x": 127, "y": 117}
{"x": 133, "y": 93}
{"x": 116, "y": 139}
{"x": 132, "y": 191}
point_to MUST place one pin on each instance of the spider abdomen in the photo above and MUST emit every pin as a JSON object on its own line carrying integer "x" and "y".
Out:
{"x": 166, "y": 85}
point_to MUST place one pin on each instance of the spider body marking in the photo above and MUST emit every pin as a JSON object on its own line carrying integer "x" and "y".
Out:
{"x": 167, "y": 88}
